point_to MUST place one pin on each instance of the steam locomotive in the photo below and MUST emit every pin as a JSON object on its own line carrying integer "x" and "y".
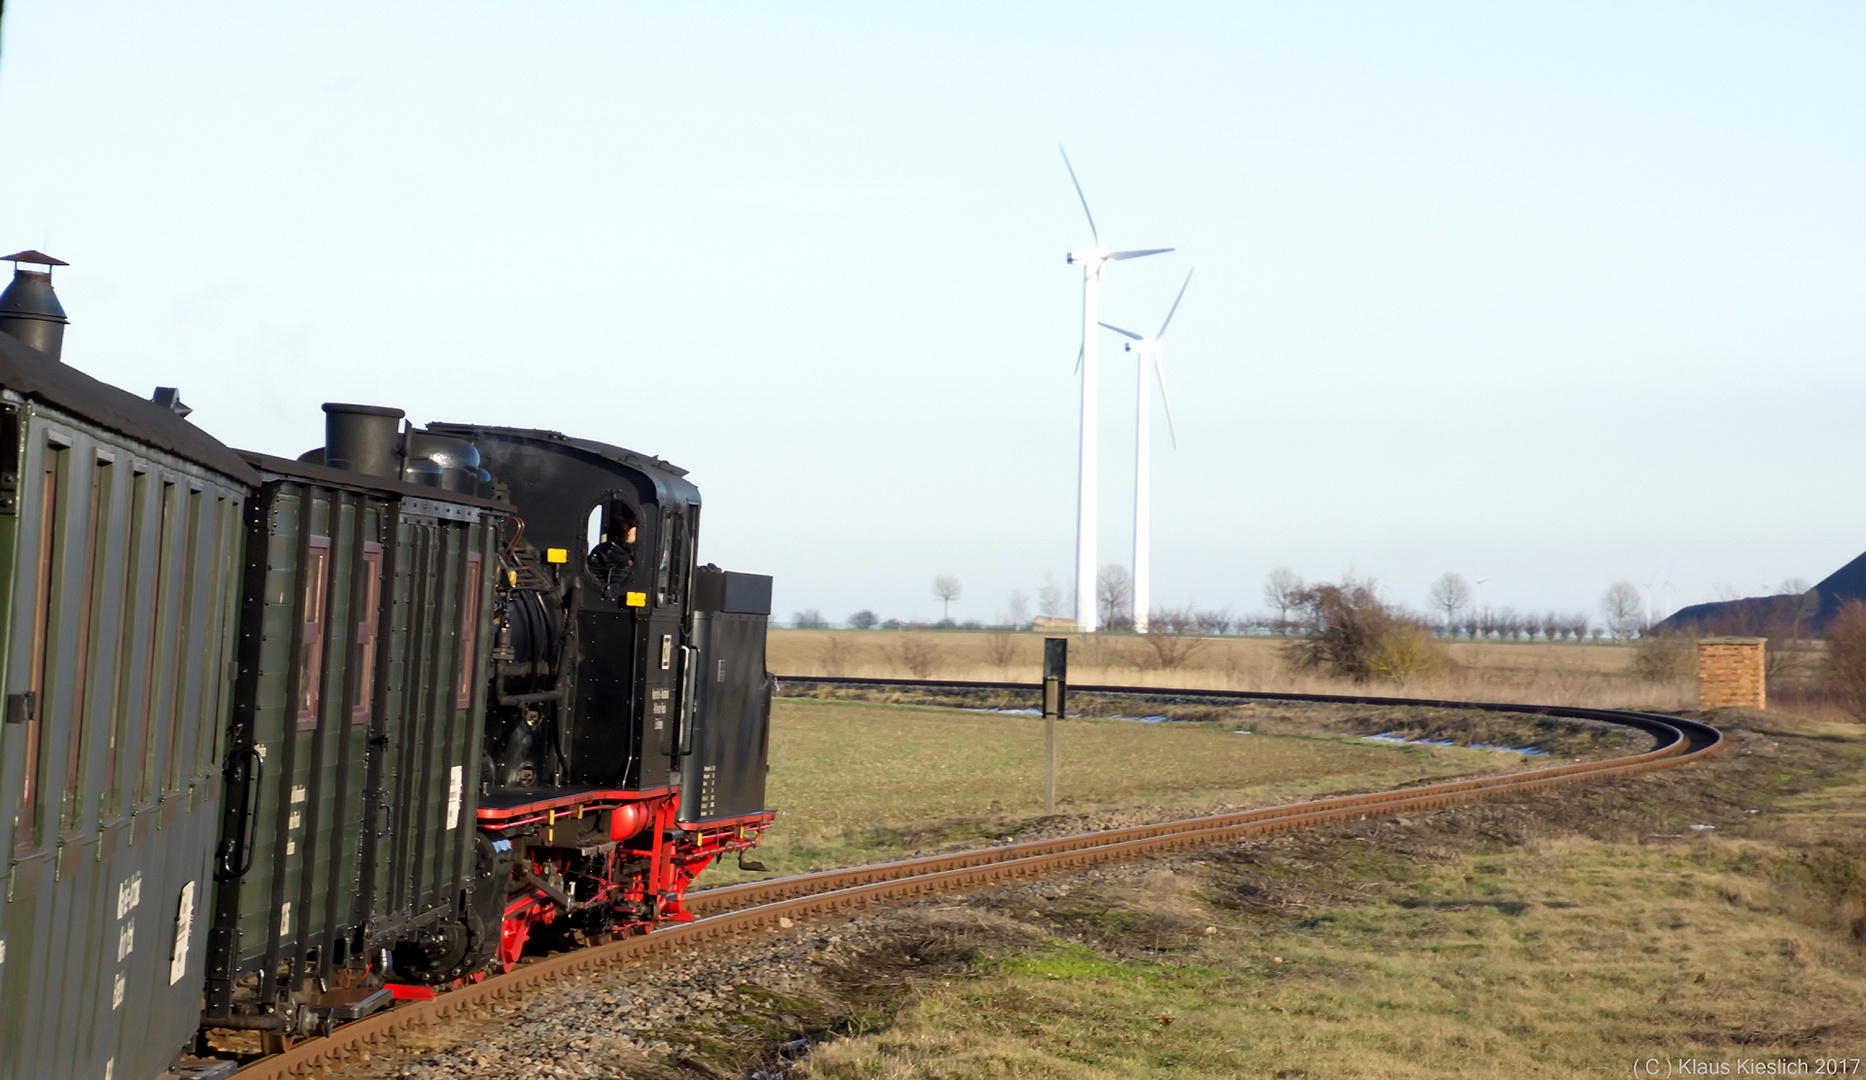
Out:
{"x": 287, "y": 738}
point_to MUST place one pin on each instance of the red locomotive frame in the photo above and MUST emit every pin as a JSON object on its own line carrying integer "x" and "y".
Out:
{"x": 647, "y": 861}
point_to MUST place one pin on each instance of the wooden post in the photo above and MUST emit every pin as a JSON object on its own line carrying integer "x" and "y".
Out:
{"x": 1055, "y": 691}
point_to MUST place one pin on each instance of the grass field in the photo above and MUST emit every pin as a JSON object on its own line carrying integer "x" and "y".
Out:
{"x": 1562, "y": 673}
{"x": 856, "y": 782}
{"x": 1567, "y": 933}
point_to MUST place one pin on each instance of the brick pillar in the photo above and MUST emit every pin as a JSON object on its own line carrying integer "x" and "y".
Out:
{"x": 1730, "y": 673}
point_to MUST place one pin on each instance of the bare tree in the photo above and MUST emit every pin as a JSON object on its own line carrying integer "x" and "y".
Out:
{"x": 945, "y": 590}
{"x": 1450, "y": 593}
{"x": 1114, "y": 594}
{"x": 808, "y": 619}
{"x": 863, "y": 620}
{"x": 1173, "y": 635}
{"x": 916, "y": 654}
{"x": 1799, "y": 603}
{"x": 1621, "y": 605}
{"x": 1000, "y": 646}
{"x": 1845, "y": 665}
{"x": 1213, "y": 622}
{"x": 1050, "y": 597}
{"x": 1282, "y": 590}
{"x": 1019, "y": 606}
{"x": 836, "y": 654}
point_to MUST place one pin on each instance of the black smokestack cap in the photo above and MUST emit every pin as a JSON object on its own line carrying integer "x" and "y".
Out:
{"x": 29, "y": 309}
{"x": 363, "y": 438}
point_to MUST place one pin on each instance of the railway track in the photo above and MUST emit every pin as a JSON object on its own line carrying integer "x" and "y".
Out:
{"x": 752, "y": 906}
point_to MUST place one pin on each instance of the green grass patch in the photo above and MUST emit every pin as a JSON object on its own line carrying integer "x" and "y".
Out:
{"x": 857, "y": 782}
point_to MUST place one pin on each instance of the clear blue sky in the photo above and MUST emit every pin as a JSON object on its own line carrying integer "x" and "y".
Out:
{"x": 1546, "y": 294}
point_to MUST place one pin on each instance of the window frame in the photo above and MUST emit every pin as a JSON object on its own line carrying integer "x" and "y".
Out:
{"x": 469, "y": 629}
{"x": 368, "y": 632}
{"x": 315, "y": 591}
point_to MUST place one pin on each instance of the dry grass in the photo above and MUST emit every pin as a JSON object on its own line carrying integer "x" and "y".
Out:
{"x": 909, "y": 778}
{"x": 1599, "y": 676}
{"x": 1558, "y": 936}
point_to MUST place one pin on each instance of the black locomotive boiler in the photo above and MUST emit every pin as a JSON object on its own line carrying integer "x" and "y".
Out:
{"x": 288, "y": 738}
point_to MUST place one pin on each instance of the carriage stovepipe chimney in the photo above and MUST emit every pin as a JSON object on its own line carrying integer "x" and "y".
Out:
{"x": 29, "y": 309}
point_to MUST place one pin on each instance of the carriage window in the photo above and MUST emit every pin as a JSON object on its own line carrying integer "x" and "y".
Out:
{"x": 593, "y": 535}
{"x": 152, "y": 710}
{"x": 469, "y": 632}
{"x": 207, "y": 743}
{"x": 51, "y": 510}
{"x": 361, "y": 712}
{"x": 138, "y": 572}
{"x": 190, "y": 579}
{"x": 95, "y": 536}
{"x": 311, "y": 649}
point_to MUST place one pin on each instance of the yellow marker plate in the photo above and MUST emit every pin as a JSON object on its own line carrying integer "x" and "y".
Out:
{"x": 636, "y": 599}
{"x": 556, "y": 555}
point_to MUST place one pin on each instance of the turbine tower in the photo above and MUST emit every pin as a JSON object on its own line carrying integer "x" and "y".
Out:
{"x": 1092, "y": 260}
{"x": 1147, "y": 352}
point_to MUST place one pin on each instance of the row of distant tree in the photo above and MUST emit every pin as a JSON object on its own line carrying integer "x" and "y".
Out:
{"x": 1456, "y": 611}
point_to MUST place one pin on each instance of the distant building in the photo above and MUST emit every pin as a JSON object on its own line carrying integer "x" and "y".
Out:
{"x": 1050, "y": 624}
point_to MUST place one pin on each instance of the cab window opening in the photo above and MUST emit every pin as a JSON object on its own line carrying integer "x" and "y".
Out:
{"x": 612, "y": 538}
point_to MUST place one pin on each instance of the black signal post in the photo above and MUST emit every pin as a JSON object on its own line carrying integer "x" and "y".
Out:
{"x": 1055, "y": 690}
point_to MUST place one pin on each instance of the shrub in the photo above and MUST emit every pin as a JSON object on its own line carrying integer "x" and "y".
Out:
{"x": 1172, "y": 636}
{"x": 1350, "y": 633}
{"x": 863, "y": 620}
{"x": 836, "y": 654}
{"x": 1665, "y": 657}
{"x": 1000, "y": 646}
{"x": 1404, "y": 651}
{"x": 916, "y": 655}
{"x": 1845, "y": 669}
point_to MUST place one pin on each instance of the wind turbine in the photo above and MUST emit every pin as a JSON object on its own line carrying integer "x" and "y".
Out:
{"x": 1147, "y": 350}
{"x": 1092, "y": 260}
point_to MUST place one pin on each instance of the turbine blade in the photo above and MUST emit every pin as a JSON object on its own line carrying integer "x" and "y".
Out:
{"x": 1175, "y": 307}
{"x": 1119, "y": 255}
{"x": 1159, "y": 372}
{"x": 1085, "y": 210}
{"x": 1123, "y": 333}
{"x": 1080, "y": 350}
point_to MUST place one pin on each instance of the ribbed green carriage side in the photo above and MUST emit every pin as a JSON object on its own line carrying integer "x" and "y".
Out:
{"x": 367, "y": 614}
{"x": 120, "y": 543}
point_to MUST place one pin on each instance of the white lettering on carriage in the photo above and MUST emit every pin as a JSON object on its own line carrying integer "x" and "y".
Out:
{"x": 455, "y": 782}
{"x": 116, "y": 992}
{"x": 126, "y": 940}
{"x": 184, "y": 929}
{"x": 285, "y": 919}
{"x": 129, "y": 894}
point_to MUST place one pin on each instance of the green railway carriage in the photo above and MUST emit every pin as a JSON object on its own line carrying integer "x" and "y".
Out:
{"x": 119, "y": 540}
{"x": 355, "y": 740}
{"x": 244, "y": 751}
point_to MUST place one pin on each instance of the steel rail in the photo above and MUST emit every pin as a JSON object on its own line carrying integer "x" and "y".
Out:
{"x": 745, "y": 908}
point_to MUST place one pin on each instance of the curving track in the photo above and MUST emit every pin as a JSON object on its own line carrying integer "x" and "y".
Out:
{"x": 739, "y": 909}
